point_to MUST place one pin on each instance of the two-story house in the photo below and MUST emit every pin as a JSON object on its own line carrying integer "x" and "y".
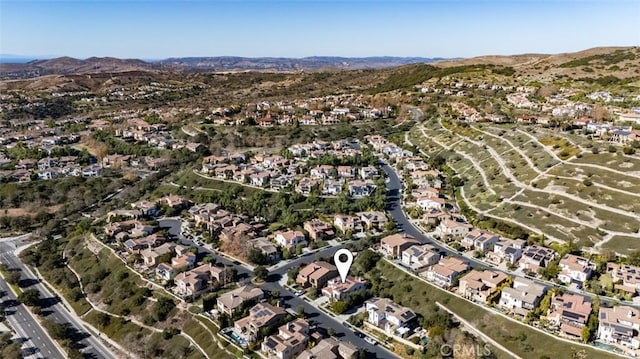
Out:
{"x": 479, "y": 240}
{"x": 291, "y": 340}
{"x": 524, "y": 296}
{"x": 336, "y": 290}
{"x": 318, "y": 230}
{"x": 393, "y": 245}
{"x": 478, "y": 285}
{"x": 316, "y": 274}
{"x": 620, "y": 325}
{"x": 627, "y": 278}
{"x": 506, "y": 250}
{"x": 452, "y": 228}
{"x": 575, "y": 269}
{"x": 261, "y": 315}
{"x": 535, "y": 257}
{"x": 420, "y": 257}
{"x": 290, "y": 239}
{"x": 445, "y": 272}
{"x": 394, "y": 319}
{"x": 570, "y": 312}
{"x": 230, "y": 302}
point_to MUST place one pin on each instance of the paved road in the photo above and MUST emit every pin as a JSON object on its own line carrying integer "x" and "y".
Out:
{"x": 37, "y": 343}
{"x": 322, "y": 319}
{"x": 394, "y": 194}
{"x": 88, "y": 343}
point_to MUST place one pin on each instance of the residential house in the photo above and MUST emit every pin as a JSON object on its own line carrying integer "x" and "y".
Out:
{"x": 451, "y": 228}
{"x": 535, "y": 257}
{"x": 194, "y": 282}
{"x": 174, "y": 201}
{"x": 368, "y": 172}
{"x": 478, "y": 285}
{"x": 506, "y": 250}
{"x": 322, "y": 172}
{"x": 359, "y": 188}
{"x": 230, "y": 302}
{"x": 267, "y": 248}
{"x": 290, "y": 239}
{"x": 575, "y": 269}
{"x": 393, "y": 245}
{"x": 112, "y": 229}
{"x": 420, "y": 257}
{"x": 337, "y": 290}
{"x": 316, "y": 274}
{"x": 629, "y": 276}
{"x": 318, "y": 230}
{"x": 331, "y": 187}
{"x": 165, "y": 271}
{"x": 373, "y": 220}
{"x": 437, "y": 217}
{"x": 431, "y": 203}
{"x": 524, "y": 296}
{"x": 291, "y": 340}
{"x": 262, "y": 315}
{"x": 150, "y": 256}
{"x": 135, "y": 245}
{"x": 345, "y": 223}
{"x": 178, "y": 264}
{"x": 346, "y": 172}
{"x": 307, "y": 185}
{"x": 620, "y": 325}
{"x": 389, "y": 316}
{"x": 146, "y": 207}
{"x": 446, "y": 271}
{"x": 260, "y": 179}
{"x": 479, "y": 240}
{"x": 570, "y": 312}
{"x": 330, "y": 348}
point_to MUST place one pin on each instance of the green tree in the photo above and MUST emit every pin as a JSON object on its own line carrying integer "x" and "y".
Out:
{"x": 339, "y": 307}
{"x": 261, "y": 272}
{"x": 29, "y": 297}
{"x": 257, "y": 257}
{"x": 13, "y": 277}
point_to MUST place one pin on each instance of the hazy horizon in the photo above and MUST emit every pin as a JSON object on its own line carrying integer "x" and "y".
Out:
{"x": 163, "y": 29}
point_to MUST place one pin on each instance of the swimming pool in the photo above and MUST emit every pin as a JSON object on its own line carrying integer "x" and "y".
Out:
{"x": 236, "y": 338}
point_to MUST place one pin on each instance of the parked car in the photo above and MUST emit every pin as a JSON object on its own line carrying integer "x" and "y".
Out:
{"x": 370, "y": 340}
{"x": 299, "y": 293}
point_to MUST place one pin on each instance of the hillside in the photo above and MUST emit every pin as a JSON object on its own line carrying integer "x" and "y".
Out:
{"x": 621, "y": 62}
{"x": 69, "y": 65}
{"x": 229, "y": 63}
{"x": 606, "y": 66}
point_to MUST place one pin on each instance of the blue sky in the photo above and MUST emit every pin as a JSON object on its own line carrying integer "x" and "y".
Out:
{"x": 453, "y": 28}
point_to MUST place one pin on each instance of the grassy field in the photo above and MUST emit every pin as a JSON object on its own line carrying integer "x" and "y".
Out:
{"x": 519, "y": 338}
{"x": 562, "y": 147}
{"x": 623, "y": 244}
{"x": 115, "y": 288}
{"x": 584, "y": 222}
{"x": 549, "y": 224}
{"x": 200, "y": 334}
{"x": 616, "y": 161}
{"x": 573, "y": 209}
{"x": 629, "y": 183}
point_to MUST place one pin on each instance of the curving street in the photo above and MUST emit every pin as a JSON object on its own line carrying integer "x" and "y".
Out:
{"x": 31, "y": 328}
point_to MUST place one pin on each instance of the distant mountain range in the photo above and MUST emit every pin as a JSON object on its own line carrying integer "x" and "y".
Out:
{"x": 230, "y": 63}
{"x": 16, "y": 67}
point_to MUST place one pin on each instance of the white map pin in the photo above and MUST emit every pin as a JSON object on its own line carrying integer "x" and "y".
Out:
{"x": 342, "y": 264}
